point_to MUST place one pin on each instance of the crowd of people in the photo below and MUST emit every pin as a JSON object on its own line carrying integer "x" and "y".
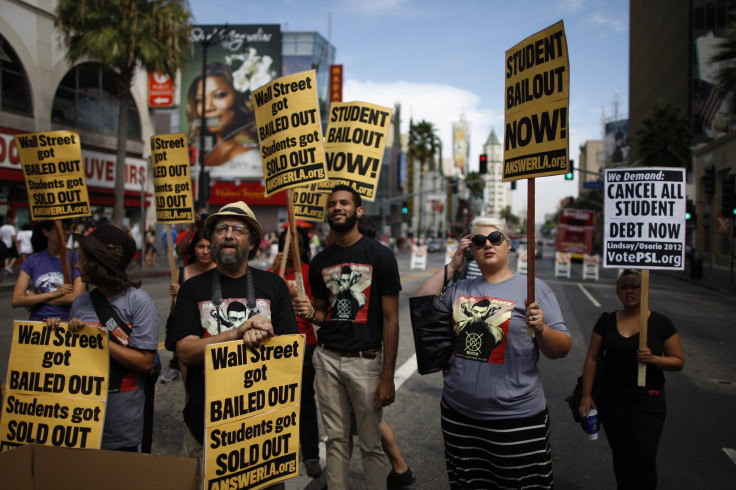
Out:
{"x": 494, "y": 417}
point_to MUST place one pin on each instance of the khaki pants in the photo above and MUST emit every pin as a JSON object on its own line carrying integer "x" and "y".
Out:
{"x": 341, "y": 382}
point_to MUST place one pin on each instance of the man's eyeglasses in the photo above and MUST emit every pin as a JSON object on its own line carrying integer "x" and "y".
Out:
{"x": 238, "y": 230}
{"x": 495, "y": 237}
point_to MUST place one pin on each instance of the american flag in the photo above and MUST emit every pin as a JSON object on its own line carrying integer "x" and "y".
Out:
{"x": 710, "y": 102}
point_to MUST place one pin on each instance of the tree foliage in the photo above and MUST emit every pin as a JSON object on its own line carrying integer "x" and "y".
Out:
{"x": 727, "y": 53}
{"x": 125, "y": 35}
{"x": 423, "y": 143}
{"x": 664, "y": 141}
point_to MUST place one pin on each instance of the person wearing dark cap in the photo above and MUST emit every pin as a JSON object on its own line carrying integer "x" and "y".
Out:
{"x": 202, "y": 319}
{"x": 104, "y": 255}
{"x": 355, "y": 284}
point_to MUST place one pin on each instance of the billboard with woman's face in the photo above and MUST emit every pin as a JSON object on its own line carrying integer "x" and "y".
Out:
{"x": 240, "y": 59}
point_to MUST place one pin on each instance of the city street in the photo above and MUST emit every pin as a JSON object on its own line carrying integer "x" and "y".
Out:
{"x": 699, "y": 439}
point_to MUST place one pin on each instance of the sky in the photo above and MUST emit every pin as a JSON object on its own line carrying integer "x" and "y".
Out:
{"x": 443, "y": 60}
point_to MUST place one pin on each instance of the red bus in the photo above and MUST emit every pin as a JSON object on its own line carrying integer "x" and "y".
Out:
{"x": 575, "y": 232}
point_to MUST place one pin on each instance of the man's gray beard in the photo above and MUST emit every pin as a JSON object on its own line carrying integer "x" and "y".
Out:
{"x": 230, "y": 259}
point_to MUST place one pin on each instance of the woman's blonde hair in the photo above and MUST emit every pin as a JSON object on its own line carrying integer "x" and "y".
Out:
{"x": 497, "y": 223}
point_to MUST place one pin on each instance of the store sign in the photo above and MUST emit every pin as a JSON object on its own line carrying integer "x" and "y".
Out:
{"x": 160, "y": 89}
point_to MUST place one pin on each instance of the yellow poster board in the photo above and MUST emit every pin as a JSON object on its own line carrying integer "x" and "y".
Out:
{"x": 309, "y": 203}
{"x": 252, "y": 398}
{"x": 537, "y": 99}
{"x": 54, "y": 174}
{"x": 171, "y": 181}
{"x": 356, "y": 139}
{"x": 290, "y": 132}
{"x": 56, "y": 390}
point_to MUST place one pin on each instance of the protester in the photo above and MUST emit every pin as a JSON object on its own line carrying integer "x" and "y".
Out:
{"x": 8, "y": 237}
{"x": 495, "y": 422}
{"x": 355, "y": 283}
{"x": 165, "y": 238}
{"x": 103, "y": 257}
{"x": 308, "y": 427}
{"x": 40, "y": 285}
{"x": 150, "y": 239}
{"x": 401, "y": 475}
{"x": 25, "y": 247}
{"x": 632, "y": 416}
{"x": 199, "y": 258}
{"x": 234, "y": 231}
{"x": 184, "y": 239}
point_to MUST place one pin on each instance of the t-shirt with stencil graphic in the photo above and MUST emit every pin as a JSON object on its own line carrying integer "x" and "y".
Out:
{"x": 493, "y": 373}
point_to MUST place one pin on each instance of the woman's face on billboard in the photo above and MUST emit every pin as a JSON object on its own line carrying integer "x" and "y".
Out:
{"x": 219, "y": 103}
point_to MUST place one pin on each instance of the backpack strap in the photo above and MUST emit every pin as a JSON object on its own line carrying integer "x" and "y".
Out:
{"x": 119, "y": 332}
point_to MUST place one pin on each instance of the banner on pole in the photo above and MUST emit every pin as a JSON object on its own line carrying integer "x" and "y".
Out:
{"x": 645, "y": 218}
{"x": 54, "y": 174}
{"x": 537, "y": 100}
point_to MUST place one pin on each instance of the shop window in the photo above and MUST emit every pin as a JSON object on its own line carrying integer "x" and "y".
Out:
{"x": 15, "y": 91}
{"x": 86, "y": 99}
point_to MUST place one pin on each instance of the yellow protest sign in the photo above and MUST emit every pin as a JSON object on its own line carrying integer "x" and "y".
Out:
{"x": 536, "y": 136}
{"x": 54, "y": 173}
{"x": 56, "y": 387}
{"x": 172, "y": 185}
{"x": 289, "y": 132}
{"x": 356, "y": 138}
{"x": 252, "y": 412}
{"x": 309, "y": 203}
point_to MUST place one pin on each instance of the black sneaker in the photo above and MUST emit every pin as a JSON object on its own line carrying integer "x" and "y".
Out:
{"x": 400, "y": 480}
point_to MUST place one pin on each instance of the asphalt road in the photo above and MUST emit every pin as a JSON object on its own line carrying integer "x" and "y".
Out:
{"x": 699, "y": 433}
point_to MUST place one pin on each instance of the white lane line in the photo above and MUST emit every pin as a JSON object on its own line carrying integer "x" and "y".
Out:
{"x": 731, "y": 453}
{"x": 405, "y": 371}
{"x": 589, "y": 296}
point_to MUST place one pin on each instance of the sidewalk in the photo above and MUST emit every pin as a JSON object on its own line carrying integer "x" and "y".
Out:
{"x": 717, "y": 278}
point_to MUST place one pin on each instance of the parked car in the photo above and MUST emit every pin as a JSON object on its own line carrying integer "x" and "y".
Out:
{"x": 434, "y": 245}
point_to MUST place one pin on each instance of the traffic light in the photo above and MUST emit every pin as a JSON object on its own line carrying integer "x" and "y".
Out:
{"x": 690, "y": 211}
{"x": 569, "y": 175}
{"x": 728, "y": 198}
{"x": 513, "y": 185}
{"x": 710, "y": 181}
{"x": 483, "y": 164}
{"x": 404, "y": 207}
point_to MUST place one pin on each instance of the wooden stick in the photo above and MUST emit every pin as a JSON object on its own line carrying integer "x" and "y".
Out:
{"x": 297, "y": 261}
{"x": 285, "y": 254}
{"x": 530, "y": 217}
{"x": 62, "y": 252}
{"x": 170, "y": 252}
{"x": 643, "y": 319}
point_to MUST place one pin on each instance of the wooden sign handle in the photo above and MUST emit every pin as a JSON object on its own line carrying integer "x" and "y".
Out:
{"x": 643, "y": 320}
{"x": 297, "y": 260}
{"x": 62, "y": 252}
{"x": 530, "y": 216}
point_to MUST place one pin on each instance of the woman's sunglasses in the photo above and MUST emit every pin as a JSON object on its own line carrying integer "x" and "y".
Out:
{"x": 495, "y": 237}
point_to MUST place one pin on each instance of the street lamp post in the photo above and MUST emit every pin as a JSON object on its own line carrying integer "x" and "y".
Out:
{"x": 203, "y": 182}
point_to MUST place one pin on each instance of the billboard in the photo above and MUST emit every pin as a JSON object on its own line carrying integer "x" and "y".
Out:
{"x": 240, "y": 59}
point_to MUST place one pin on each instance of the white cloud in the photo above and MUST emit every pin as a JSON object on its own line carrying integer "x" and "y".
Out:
{"x": 439, "y": 104}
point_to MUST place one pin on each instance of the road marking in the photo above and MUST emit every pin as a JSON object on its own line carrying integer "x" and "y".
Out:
{"x": 405, "y": 371}
{"x": 731, "y": 453}
{"x": 589, "y": 296}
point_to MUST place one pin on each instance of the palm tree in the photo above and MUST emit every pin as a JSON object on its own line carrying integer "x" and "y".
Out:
{"x": 124, "y": 35}
{"x": 664, "y": 141}
{"x": 423, "y": 143}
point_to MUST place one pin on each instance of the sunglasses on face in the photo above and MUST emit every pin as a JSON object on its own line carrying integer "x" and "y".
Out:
{"x": 495, "y": 237}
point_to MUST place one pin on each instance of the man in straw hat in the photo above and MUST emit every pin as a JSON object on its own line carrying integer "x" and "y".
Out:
{"x": 202, "y": 315}
{"x": 104, "y": 255}
{"x": 355, "y": 283}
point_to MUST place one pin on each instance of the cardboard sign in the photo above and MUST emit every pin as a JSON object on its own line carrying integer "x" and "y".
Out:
{"x": 252, "y": 400}
{"x": 537, "y": 99}
{"x": 645, "y": 218}
{"x": 356, "y": 138}
{"x": 173, "y": 187}
{"x": 52, "y": 166}
{"x": 56, "y": 387}
{"x": 289, "y": 132}
{"x": 309, "y": 203}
